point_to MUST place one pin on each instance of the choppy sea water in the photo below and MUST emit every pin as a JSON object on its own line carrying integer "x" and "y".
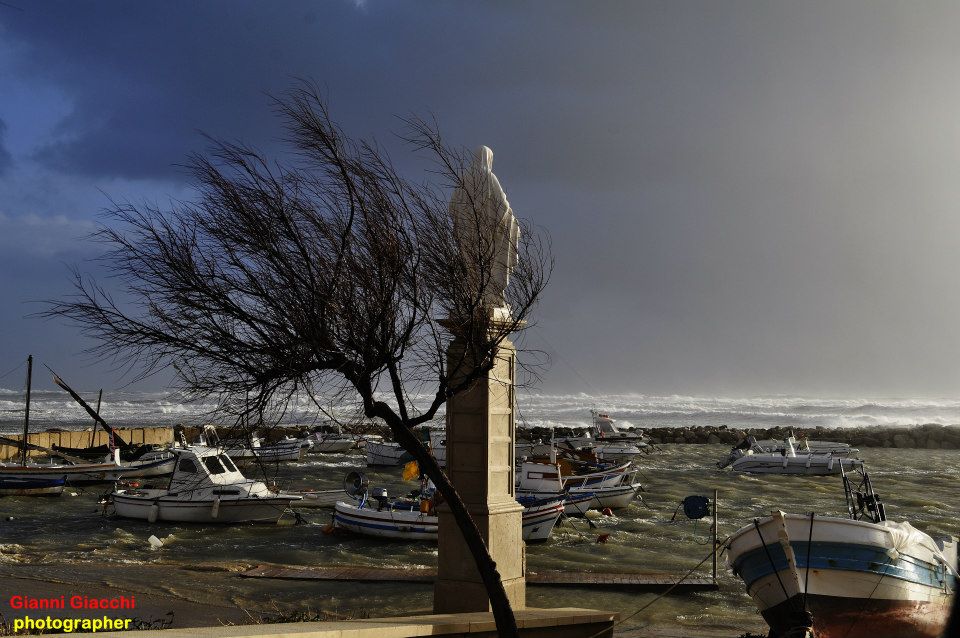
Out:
{"x": 59, "y": 536}
{"x": 129, "y": 408}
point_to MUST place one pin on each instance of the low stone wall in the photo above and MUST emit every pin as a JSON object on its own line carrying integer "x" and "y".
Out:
{"x": 81, "y": 438}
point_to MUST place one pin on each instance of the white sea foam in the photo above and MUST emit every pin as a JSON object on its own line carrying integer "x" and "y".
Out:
{"x": 56, "y": 409}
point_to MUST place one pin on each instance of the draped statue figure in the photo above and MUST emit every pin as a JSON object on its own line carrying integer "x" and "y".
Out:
{"x": 486, "y": 230}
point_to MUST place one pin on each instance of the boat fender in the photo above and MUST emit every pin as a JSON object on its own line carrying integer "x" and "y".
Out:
{"x": 830, "y": 464}
{"x": 215, "y": 510}
{"x": 153, "y": 513}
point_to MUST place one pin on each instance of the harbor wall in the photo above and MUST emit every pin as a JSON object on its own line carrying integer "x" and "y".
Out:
{"x": 81, "y": 438}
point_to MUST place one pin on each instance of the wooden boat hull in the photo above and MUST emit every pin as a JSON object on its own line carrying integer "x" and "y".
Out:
{"x": 248, "y": 510}
{"x": 858, "y": 579}
{"x": 842, "y": 617}
{"x": 72, "y": 474}
{"x": 31, "y": 486}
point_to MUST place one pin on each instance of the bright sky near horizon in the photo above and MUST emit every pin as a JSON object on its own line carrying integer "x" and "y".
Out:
{"x": 743, "y": 197}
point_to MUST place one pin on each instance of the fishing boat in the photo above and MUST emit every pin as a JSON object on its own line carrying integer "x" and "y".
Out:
{"x": 287, "y": 449}
{"x": 206, "y": 487}
{"x": 605, "y": 429}
{"x": 859, "y": 576}
{"x": 755, "y": 460}
{"x": 27, "y": 486}
{"x": 614, "y": 489}
{"x": 535, "y": 476}
{"x": 332, "y": 441}
{"x": 386, "y": 453}
{"x": 806, "y": 445}
{"x": 413, "y": 519}
{"x": 41, "y": 478}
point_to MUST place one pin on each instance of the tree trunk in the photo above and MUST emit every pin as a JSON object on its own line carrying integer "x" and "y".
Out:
{"x": 499, "y": 603}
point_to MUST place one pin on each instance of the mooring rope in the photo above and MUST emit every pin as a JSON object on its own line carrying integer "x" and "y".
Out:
{"x": 718, "y": 547}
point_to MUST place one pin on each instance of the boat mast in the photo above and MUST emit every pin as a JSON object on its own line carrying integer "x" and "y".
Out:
{"x": 26, "y": 413}
{"x": 93, "y": 432}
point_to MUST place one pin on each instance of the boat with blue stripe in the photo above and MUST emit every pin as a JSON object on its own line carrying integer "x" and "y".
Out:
{"x": 31, "y": 485}
{"x": 857, "y": 577}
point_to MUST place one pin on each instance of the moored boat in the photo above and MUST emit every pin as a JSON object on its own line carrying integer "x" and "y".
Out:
{"x": 379, "y": 515}
{"x": 31, "y": 486}
{"x": 380, "y": 453}
{"x": 206, "y": 487}
{"x": 756, "y": 460}
{"x": 856, "y": 577}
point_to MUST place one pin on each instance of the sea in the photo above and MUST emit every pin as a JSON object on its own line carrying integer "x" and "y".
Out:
{"x": 70, "y": 540}
{"x": 55, "y": 409}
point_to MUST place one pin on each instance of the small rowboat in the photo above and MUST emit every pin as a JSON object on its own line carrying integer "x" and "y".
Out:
{"x": 31, "y": 486}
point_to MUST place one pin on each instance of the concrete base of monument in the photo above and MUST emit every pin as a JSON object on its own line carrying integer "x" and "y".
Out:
{"x": 567, "y": 622}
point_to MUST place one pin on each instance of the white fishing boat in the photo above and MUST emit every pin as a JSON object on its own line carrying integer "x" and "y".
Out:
{"x": 805, "y": 445}
{"x": 333, "y": 441}
{"x": 616, "y": 490}
{"x": 206, "y": 487}
{"x": 787, "y": 461}
{"x": 413, "y": 519}
{"x": 614, "y": 497}
{"x": 287, "y": 449}
{"x": 542, "y": 477}
{"x": 618, "y": 451}
{"x": 856, "y": 577}
{"x": 606, "y": 430}
{"x": 381, "y": 453}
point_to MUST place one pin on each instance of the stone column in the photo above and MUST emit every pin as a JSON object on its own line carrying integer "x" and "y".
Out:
{"x": 480, "y": 463}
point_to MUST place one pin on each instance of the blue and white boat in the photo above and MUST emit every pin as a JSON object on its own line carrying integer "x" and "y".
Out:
{"x": 31, "y": 485}
{"x": 414, "y": 519}
{"x": 857, "y": 577}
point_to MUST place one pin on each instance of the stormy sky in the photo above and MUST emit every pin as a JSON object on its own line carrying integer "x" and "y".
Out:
{"x": 743, "y": 197}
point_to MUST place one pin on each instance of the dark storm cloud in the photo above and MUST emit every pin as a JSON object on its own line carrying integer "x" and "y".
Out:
{"x": 742, "y": 196}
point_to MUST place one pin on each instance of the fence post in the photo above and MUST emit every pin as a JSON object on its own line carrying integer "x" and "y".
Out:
{"x": 715, "y": 535}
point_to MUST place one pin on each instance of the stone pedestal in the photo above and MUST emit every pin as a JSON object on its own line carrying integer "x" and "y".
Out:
{"x": 480, "y": 463}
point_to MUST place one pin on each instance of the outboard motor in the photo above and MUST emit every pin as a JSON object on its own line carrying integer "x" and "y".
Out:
{"x": 380, "y": 493}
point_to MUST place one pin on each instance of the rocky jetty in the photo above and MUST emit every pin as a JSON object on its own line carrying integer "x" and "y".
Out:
{"x": 930, "y": 436}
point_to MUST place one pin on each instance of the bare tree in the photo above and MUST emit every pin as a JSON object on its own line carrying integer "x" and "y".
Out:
{"x": 328, "y": 274}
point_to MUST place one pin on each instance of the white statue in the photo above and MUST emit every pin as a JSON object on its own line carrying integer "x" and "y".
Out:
{"x": 486, "y": 229}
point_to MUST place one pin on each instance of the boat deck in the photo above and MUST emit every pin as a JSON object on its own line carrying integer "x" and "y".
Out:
{"x": 641, "y": 582}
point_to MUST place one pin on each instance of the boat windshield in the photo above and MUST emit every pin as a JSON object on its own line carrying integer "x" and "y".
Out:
{"x": 227, "y": 463}
{"x": 187, "y": 466}
{"x": 213, "y": 465}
